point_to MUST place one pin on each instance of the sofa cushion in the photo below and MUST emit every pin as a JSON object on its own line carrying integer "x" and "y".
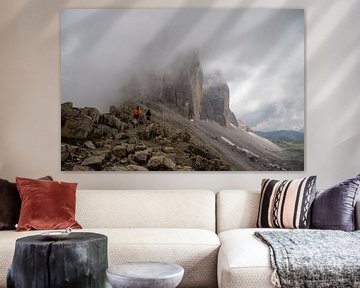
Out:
{"x": 236, "y": 209}
{"x": 334, "y": 208}
{"x": 286, "y": 204}
{"x": 153, "y": 209}
{"x": 244, "y": 261}
{"x": 46, "y": 204}
{"x": 194, "y": 249}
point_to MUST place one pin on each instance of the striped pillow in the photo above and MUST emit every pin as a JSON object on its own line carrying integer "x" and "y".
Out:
{"x": 286, "y": 204}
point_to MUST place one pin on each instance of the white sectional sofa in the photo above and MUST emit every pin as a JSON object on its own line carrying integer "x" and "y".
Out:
{"x": 177, "y": 226}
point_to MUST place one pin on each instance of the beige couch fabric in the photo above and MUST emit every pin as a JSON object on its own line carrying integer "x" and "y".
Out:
{"x": 243, "y": 261}
{"x": 146, "y": 209}
{"x": 236, "y": 209}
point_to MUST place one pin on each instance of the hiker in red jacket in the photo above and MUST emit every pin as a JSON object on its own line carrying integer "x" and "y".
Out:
{"x": 136, "y": 112}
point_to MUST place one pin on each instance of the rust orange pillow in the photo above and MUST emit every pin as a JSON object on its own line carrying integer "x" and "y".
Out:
{"x": 46, "y": 204}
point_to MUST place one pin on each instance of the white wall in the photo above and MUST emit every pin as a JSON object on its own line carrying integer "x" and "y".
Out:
{"x": 30, "y": 95}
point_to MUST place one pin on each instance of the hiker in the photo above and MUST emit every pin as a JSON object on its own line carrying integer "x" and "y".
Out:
{"x": 136, "y": 112}
{"x": 148, "y": 115}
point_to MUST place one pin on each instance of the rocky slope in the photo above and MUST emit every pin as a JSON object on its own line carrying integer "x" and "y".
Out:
{"x": 166, "y": 142}
{"x": 111, "y": 142}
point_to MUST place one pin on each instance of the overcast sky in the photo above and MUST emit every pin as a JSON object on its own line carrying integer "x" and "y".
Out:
{"x": 260, "y": 53}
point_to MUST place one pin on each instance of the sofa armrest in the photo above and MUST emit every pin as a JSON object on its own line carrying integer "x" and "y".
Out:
{"x": 357, "y": 215}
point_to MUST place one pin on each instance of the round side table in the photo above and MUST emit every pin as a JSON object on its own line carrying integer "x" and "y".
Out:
{"x": 145, "y": 275}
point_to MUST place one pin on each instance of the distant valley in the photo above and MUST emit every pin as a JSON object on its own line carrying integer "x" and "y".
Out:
{"x": 282, "y": 135}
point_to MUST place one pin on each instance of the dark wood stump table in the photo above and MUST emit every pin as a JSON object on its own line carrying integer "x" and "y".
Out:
{"x": 78, "y": 261}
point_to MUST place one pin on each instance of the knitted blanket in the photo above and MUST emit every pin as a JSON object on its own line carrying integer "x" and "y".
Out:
{"x": 313, "y": 258}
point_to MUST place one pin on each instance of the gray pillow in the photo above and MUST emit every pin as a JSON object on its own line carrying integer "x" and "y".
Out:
{"x": 334, "y": 208}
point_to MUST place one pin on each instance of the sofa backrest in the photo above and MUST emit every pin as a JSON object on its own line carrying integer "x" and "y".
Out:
{"x": 146, "y": 209}
{"x": 236, "y": 209}
{"x": 239, "y": 209}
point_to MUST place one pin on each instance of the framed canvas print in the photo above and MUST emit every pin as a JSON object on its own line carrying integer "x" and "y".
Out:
{"x": 185, "y": 89}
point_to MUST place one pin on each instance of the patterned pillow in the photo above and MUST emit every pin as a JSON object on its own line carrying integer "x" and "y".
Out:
{"x": 286, "y": 204}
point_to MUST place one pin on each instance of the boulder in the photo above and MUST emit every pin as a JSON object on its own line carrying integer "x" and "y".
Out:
{"x": 101, "y": 130}
{"x": 121, "y": 136}
{"x": 67, "y": 150}
{"x": 106, "y": 152}
{"x": 144, "y": 134}
{"x": 122, "y": 113}
{"x": 71, "y": 148}
{"x": 77, "y": 126}
{"x": 124, "y": 161}
{"x": 112, "y": 121}
{"x": 120, "y": 151}
{"x": 66, "y": 108}
{"x": 140, "y": 147}
{"x": 94, "y": 161}
{"x": 92, "y": 112}
{"x": 141, "y": 156}
{"x": 114, "y": 110}
{"x": 161, "y": 163}
{"x": 77, "y": 123}
{"x": 168, "y": 149}
{"x": 90, "y": 145}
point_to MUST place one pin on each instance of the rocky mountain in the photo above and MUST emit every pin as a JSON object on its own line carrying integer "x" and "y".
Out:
{"x": 282, "y": 135}
{"x": 182, "y": 85}
{"x": 215, "y": 101}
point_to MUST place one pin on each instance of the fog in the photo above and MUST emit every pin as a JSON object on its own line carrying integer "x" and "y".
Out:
{"x": 259, "y": 52}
